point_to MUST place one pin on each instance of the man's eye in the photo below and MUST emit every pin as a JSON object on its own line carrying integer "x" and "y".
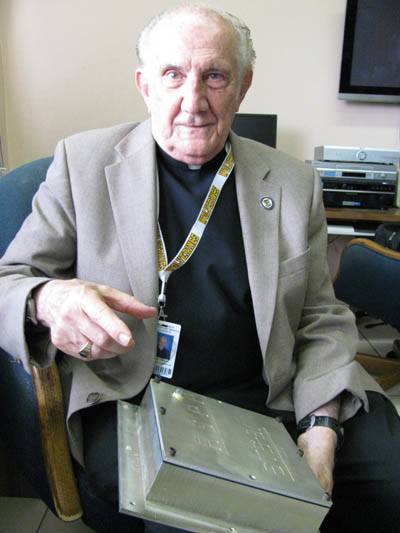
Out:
{"x": 172, "y": 77}
{"x": 216, "y": 79}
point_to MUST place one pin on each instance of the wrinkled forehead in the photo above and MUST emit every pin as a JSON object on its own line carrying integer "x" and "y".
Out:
{"x": 176, "y": 37}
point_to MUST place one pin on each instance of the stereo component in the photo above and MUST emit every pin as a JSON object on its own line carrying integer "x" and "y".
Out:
{"x": 368, "y": 186}
{"x": 352, "y": 154}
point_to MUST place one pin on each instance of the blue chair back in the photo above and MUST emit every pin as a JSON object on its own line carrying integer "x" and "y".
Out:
{"x": 19, "y": 421}
{"x": 16, "y": 191}
{"x": 368, "y": 280}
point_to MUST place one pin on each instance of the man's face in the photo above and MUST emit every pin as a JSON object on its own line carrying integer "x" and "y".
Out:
{"x": 162, "y": 342}
{"x": 191, "y": 85}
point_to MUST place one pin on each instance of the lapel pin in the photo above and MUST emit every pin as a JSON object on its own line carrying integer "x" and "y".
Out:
{"x": 267, "y": 202}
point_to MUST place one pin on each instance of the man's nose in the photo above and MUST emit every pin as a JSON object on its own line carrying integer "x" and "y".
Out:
{"x": 194, "y": 96}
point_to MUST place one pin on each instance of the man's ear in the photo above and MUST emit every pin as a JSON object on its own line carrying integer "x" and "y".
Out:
{"x": 142, "y": 84}
{"x": 246, "y": 83}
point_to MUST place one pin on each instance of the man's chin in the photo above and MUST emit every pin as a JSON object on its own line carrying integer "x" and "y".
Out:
{"x": 198, "y": 152}
{"x": 195, "y": 157}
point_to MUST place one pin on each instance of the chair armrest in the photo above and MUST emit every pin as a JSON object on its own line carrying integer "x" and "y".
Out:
{"x": 374, "y": 246}
{"x": 385, "y": 371}
{"x": 56, "y": 451}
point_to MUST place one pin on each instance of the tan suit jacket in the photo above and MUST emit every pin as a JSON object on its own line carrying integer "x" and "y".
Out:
{"x": 95, "y": 218}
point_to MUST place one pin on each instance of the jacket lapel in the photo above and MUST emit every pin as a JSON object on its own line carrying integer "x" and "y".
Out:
{"x": 260, "y": 229}
{"x": 132, "y": 185}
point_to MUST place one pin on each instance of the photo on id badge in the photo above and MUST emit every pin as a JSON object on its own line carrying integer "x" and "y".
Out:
{"x": 164, "y": 345}
{"x": 167, "y": 345}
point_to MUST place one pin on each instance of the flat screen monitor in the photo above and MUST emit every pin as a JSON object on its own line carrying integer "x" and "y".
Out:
{"x": 261, "y": 128}
{"x": 371, "y": 51}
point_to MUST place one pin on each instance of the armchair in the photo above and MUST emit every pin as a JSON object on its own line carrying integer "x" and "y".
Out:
{"x": 32, "y": 425}
{"x": 32, "y": 403}
{"x": 368, "y": 280}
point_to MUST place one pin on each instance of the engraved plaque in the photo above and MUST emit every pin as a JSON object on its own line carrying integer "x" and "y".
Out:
{"x": 203, "y": 465}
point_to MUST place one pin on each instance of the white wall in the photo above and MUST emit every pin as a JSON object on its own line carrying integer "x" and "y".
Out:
{"x": 68, "y": 66}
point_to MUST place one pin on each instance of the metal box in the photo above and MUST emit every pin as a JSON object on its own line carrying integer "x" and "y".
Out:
{"x": 199, "y": 464}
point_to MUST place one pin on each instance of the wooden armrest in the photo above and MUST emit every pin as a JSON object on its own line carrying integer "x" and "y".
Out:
{"x": 56, "y": 451}
{"x": 375, "y": 247}
{"x": 385, "y": 371}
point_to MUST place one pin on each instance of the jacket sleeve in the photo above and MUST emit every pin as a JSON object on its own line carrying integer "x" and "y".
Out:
{"x": 326, "y": 339}
{"x": 44, "y": 248}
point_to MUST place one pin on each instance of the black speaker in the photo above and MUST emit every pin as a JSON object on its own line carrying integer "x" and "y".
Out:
{"x": 261, "y": 128}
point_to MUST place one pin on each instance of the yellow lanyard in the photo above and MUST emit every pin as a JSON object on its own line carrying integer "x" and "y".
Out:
{"x": 191, "y": 242}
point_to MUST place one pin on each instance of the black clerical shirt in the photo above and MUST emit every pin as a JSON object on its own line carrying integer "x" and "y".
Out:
{"x": 218, "y": 352}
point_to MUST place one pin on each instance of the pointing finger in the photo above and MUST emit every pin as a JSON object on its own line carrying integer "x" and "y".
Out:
{"x": 126, "y": 303}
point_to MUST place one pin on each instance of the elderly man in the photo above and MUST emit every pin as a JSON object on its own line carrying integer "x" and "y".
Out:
{"x": 227, "y": 238}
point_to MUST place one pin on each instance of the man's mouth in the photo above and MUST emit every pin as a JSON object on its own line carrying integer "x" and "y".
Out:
{"x": 195, "y": 126}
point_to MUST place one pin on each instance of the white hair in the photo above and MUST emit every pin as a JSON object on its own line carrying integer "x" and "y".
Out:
{"x": 246, "y": 53}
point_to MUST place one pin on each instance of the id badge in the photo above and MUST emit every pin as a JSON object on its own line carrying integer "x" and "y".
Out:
{"x": 167, "y": 345}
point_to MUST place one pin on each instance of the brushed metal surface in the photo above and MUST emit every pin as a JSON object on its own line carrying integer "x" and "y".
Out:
{"x": 226, "y": 441}
{"x": 202, "y": 465}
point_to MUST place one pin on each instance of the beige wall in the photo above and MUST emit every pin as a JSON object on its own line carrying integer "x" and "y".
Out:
{"x": 68, "y": 66}
{"x": 2, "y": 114}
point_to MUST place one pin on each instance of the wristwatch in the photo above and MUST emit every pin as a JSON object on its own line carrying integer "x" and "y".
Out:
{"x": 325, "y": 421}
{"x": 31, "y": 322}
{"x": 30, "y": 311}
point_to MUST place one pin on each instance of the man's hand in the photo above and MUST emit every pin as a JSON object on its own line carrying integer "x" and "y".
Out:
{"x": 77, "y": 312}
{"x": 318, "y": 445}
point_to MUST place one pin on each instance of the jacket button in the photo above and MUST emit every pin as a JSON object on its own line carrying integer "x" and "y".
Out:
{"x": 94, "y": 397}
{"x": 267, "y": 202}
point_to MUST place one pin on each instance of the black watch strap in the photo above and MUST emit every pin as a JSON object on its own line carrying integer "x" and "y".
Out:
{"x": 324, "y": 421}
{"x": 30, "y": 310}
{"x": 31, "y": 322}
